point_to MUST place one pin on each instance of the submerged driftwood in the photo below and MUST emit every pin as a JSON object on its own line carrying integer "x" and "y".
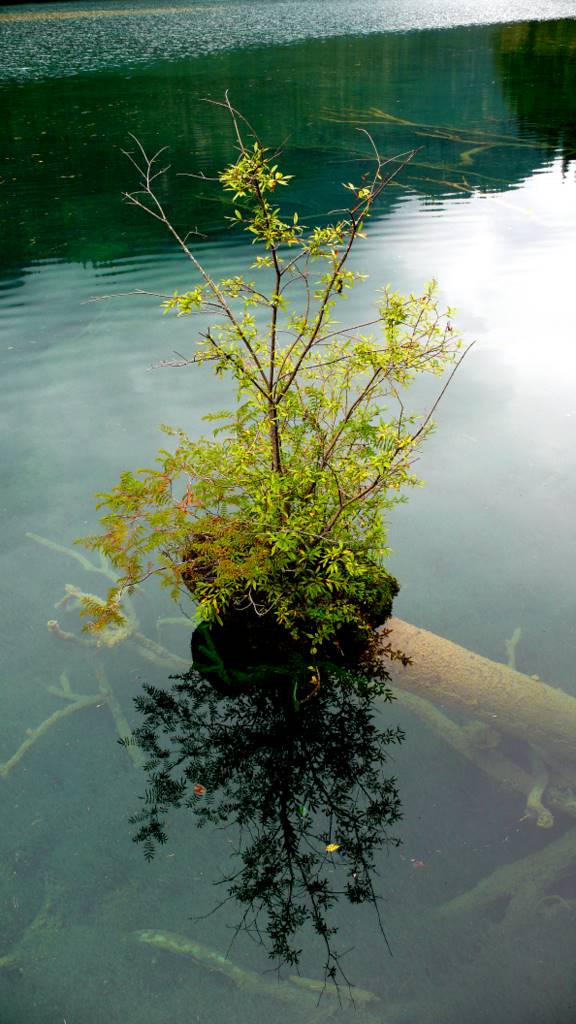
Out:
{"x": 502, "y": 702}
{"x": 522, "y": 886}
{"x": 305, "y": 993}
{"x": 507, "y": 701}
{"x": 35, "y": 942}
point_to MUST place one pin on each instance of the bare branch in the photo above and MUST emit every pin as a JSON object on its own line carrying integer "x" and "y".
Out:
{"x": 159, "y": 214}
{"x": 442, "y": 392}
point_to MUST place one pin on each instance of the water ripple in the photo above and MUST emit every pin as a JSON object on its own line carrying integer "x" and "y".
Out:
{"x": 54, "y": 41}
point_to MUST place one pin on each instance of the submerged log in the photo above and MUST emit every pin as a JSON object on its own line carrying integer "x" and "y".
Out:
{"x": 302, "y": 992}
{"x": 494, "y": 763}
{"x": 522, "y": 886}
{"x": 513, "y": 703}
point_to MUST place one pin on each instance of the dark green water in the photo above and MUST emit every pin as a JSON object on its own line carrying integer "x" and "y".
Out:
{"x": 489, "y": 208}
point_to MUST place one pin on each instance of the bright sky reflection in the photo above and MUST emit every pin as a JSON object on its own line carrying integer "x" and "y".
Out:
{"x": 506, "y": 261}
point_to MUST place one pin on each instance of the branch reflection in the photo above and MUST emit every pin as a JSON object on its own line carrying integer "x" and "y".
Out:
{"x": 301, "y": 769}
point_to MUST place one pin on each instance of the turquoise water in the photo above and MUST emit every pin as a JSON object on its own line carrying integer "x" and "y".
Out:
{"x": 489, "y": 208}
{"x": 145, "y": 31}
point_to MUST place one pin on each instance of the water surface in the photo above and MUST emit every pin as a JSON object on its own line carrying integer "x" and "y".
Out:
{"x": 488, "y": 206}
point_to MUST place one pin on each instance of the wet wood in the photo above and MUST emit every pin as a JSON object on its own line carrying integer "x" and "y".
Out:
{"x": 454, "y": 678}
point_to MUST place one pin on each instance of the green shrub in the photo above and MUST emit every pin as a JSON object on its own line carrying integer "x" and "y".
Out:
{"x": 281, "y": 512}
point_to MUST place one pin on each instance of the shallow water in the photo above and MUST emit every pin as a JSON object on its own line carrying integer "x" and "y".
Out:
{"x": 488, "y": 207}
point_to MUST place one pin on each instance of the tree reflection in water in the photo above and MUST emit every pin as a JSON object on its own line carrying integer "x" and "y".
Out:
{"x": 303, "y": 777}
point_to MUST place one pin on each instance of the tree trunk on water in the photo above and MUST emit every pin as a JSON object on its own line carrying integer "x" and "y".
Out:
{"x": 456, "y": 679}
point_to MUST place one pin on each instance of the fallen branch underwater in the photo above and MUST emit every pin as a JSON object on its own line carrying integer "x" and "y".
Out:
{"x": 35, "y": 942}
{"x": 525, "y": 884}
{"x": 296, "y": 990}
{"x": 77, "y": 704}
{"x": 505, "y": 700}
{"x": 501, "y": 702}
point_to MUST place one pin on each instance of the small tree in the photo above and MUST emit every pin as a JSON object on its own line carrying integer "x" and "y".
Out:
{"x": 280, "y": 514}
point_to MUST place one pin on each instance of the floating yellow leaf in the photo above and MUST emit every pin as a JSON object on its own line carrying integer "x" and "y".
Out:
{"x": 332, "y": 847}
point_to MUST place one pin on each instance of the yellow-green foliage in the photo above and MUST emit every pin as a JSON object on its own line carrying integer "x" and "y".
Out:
{"x": 283, "y": 506}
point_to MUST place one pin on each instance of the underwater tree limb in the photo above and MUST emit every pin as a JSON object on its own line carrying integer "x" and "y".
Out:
{"x": 297, "y": 990}
{"x": 514, "y": 703}
{"x": 40, "y": 924}
{"x": 524, "y": 883}
{"x": 55, "y": 628}
{"x": 86, "y": 564}
{"x": 465, "y": 741}
{"x": 534, "y": 806}
{"x": 535, "y": 809}
{"x": 173, "y": 620}
{"x": 156, "y": 653}
{"x": 475, "y": 744}
{"x": 122, "y": 727}
{"x": 34, "y": 734}
{"x": 148, "y": 649}
{"x": 77, "y": 701}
